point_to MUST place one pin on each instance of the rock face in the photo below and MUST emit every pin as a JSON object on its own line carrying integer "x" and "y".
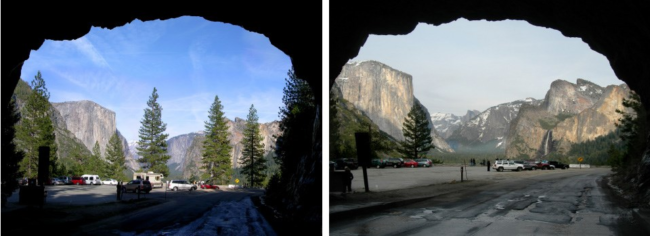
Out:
{"x": 446, "y": 123}
{"x": 89, "y": 122}
{"x": 384, "y": 94}
{"x": 570, "y": 113}
{"x": 490, "y": 126}
{"x": 177, "y": 148}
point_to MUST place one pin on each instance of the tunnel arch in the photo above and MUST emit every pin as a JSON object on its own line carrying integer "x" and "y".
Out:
{"x": 619, "y": 30}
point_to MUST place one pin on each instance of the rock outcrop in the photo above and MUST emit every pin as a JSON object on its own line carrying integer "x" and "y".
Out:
{"x": 88, "y": 121}
{"x": 570, "y": 113}
{"x": 384, "y": 94}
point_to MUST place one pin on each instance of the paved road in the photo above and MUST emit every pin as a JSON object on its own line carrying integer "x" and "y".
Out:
{"x": 543, "y": 203}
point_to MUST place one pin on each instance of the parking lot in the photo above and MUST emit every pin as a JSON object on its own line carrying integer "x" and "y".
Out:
{"x": 96, "y": 194}
{"x": 389, "y": 178}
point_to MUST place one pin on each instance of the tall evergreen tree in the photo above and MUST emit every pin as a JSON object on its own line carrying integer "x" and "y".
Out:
{"x": 633, "y": 130}
{"x": 417, "y": 134}
{"x": 153, "y": 141}
{"x": 35, "y": 128}
{"x": 11, "y": 156}
{"x": 115, "y": 154}
{"x": 253, "y": 160}
{"x": 216, "y": 147}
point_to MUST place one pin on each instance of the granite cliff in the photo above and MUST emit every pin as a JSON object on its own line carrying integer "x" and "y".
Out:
{"x": 570, "y": 113}
{"x": 382, "y": 93}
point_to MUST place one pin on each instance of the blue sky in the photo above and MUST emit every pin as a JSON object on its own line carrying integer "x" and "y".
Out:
{"x": 478, "y": 64}
{"x": 189, "y": 60}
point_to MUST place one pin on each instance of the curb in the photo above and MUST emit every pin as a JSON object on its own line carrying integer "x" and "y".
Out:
{"x": 373, "y": 208}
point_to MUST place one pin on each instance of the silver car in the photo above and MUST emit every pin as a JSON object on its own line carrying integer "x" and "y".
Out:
{"x": 176, "y": 185}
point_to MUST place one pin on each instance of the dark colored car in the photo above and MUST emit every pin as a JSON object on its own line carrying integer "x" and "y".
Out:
{"x": 424, "y": 162}
{"x": 395, "y": 162}
{"x": 528, "y": 165}
{"x": 544, "y": 166}
{"x": 410, "y": 163}
{"x": 559, "y": 165}
{"x": 137, "y": 185}
{"x": 351, "y": 163}
{"x": 379, "y": 163}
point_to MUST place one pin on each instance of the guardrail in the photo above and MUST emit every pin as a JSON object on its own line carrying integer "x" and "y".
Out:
{"x": 578, "y": 166}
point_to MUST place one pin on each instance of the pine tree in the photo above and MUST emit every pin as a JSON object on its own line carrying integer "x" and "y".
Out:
{"x": 11, "y": 156}
{"x": 216, "y": 147}
{"x": 36, "y": 129}
{"x": 153, "y": 142}
{"x": 253, "y": 160}
{"x": 417, "y": 134}
{"x": 115, "y": 154}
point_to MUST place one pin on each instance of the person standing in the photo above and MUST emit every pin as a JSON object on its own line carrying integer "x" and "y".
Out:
{"x": 488, "y": 165}
{"x": 348, "y": 180}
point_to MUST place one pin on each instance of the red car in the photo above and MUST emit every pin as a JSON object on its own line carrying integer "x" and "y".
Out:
{"x": 209, "y": 186}
{"x": 412, "y": 163}
{"x": 76, "y": 180}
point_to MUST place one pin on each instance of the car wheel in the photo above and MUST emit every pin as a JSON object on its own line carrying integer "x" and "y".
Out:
{"x": 519, "y": 169}
{"x": 175, "y": 189}
{"x": 532, "y": 168}
{"x": 394, "y": 165}
{"x": 377, "y": 166}
{"x": 412, "y": 166}
{"x": 500, "y": 169}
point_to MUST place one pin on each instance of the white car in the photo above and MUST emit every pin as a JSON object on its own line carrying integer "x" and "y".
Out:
{"x": 109, "y": 181}
{"x": 502, "y": 165}
{"x": 176, "y": 185}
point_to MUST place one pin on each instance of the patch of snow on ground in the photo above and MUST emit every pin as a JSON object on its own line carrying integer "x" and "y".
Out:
{"x": 227, "y": 218}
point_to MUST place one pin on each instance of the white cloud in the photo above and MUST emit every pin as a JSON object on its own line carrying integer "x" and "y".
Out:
{"x": 88, "y": 49}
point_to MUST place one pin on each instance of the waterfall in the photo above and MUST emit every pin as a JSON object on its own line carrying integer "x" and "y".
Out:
{"x": 547, "y": 139}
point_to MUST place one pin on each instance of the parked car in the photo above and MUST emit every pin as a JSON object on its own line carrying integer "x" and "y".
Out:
{"x": 137, "y": 185}
{"x": 109, "y": 181}
{"x": 56, "y": 181}
{"x": 379, "y": 163}
{"x": 176, "y": 185}
{"x": 528, "y": 165}
{"x": 410, "y": 163}
{"x": 209, "y": 185}
{"x": 351, "y": 163}
{"x": 424, "y": 162}
{"x": 66, "y": 179}
{"x": 558, "y": 164}
{"x": 395, "y": 162}
{"x": 501, "y": 165}
{"x": 544, "y": 165}
{"x": 92, "y": 179}
{"x": 77, "y": 180}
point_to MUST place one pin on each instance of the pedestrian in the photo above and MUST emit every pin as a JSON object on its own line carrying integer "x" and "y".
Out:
{"x": 119, "y": 190}
{"x": 488, "y": 165}
{"x": 348, "y": 176}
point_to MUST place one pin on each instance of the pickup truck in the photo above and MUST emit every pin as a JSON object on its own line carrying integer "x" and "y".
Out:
{"x": 558, "y": 164}
{"x": 501, "y": 165}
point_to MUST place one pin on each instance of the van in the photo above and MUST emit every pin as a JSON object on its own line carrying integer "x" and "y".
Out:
{"x": 92, "y": 179}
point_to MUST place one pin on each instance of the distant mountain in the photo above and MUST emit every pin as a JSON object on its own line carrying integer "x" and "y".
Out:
{"x": 383, "y": 94}
{"x": 446, "y": 123}
{"x": 571, "y": 113}
{"x": 487, "y": 131}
